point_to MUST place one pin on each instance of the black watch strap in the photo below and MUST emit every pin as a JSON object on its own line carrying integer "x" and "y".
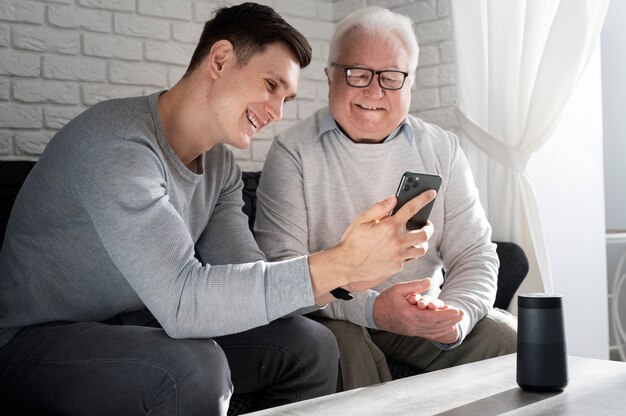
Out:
{"x": 341, "y": 293}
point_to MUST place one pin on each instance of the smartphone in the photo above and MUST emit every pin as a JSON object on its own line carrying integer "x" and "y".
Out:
{"x": 411, "y": 185}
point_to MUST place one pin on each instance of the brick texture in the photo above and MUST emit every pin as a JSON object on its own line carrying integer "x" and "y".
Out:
{"x": 58, "y": 57}
{"x": 6, "y": 142}
{"x": 43, "y": 39}
{"x": 23, "y": 11}
{"x": 4, "y": 35}
{"x": 4, "y": 89}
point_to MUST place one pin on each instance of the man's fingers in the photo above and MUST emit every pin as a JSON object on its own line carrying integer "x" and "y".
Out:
{"x": 410, "y": 208}
{"x": 425, "y": 301}
{"x": 444, "y": 332}
{"x": 426, "y": 230}
{"x": 428, "y": 302}
{"x": 374, "y": 213}
{"x": 413, "y": 287}
{"x": 416, "y": 251}
{"x": 379, "y": 210}
{"x": 440, "y": 316}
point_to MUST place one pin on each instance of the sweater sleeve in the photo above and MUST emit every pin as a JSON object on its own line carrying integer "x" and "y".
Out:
{"x": 123, "y": 188}
{"x": 469, "y": 257}
{"x": 282, "y": 226}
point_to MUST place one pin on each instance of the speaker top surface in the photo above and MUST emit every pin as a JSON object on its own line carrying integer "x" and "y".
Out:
{"x": 539, "y": 301}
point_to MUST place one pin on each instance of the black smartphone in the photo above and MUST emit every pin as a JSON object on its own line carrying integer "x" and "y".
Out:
{"x": 411, "y": 185}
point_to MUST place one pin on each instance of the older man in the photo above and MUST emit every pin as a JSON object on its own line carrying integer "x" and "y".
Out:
{"x": 323, "y": 170}
{"x": 128, "y": 262}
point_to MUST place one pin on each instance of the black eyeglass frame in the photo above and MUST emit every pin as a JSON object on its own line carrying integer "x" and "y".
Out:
{"x": 373, "y": 73}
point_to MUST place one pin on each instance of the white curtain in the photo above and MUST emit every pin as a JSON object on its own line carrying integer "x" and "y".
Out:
{"x": 518, "y": 62}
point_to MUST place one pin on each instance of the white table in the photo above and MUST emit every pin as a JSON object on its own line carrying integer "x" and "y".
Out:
{"x": 485, "y": 388}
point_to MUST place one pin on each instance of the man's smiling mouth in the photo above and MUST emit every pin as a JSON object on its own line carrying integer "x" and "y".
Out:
{"x": 253, "y": 120}
{"x": 365, "y": 107}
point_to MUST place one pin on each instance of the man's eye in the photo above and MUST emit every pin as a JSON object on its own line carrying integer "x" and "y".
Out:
{"x": 271, "y": 85}
{"x": 358, "y": 76}
{"x": 391, "y": 80}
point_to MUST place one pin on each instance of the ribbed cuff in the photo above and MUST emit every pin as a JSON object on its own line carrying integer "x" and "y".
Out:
{"x": 288, "y": 287}
{"x": 368, "y": 310}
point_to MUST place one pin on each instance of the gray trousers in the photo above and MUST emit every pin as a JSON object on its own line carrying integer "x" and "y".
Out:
{"x": 116, "y": 368}
{"x": 364, "y": 354}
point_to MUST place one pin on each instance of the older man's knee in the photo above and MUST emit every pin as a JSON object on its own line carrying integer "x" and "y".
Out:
{"x": 499, "y": 330}
{"x": 344, "y": 331}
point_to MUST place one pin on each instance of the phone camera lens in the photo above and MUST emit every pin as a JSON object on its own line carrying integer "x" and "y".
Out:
{"x": 406, "y": 188}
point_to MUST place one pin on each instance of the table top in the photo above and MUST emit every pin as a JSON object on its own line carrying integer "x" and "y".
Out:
{"x": 482, "y": 388}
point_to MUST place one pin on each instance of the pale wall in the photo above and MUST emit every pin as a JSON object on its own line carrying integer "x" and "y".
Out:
{"x": 58, "y": 57}
{"x": 614, "y": 92}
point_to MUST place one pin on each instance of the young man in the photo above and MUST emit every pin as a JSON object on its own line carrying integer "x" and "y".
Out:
{"x": 128, "y": 261}
{"x": 323, "y": 170}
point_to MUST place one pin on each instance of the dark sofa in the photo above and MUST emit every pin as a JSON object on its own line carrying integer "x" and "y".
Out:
{"x": 513, "y": 261}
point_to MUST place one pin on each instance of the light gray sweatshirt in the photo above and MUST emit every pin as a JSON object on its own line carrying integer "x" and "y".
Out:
{"x": 111, "y": 221}
{"x": 316, "y": 180}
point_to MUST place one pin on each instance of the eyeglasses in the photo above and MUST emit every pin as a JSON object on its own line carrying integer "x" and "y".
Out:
{"x": 362, "y": 77}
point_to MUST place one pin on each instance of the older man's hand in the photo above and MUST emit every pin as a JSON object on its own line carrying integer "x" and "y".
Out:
{"x": 401, "y": 309}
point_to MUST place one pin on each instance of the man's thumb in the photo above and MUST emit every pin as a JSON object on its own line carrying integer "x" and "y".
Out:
{"x": 379, "y": 210}
{"x": 415, "y": 286}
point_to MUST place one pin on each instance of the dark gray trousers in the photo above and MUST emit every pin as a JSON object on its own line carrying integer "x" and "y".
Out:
{"x": 116, "y": 368}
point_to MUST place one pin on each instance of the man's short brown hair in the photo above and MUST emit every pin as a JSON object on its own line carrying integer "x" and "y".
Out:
{"x": 250, "y": 27}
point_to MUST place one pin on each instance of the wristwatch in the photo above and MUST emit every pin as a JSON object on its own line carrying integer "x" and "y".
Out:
{"x": 341, "y": 293}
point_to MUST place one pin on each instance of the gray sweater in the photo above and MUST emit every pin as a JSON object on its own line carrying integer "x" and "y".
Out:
{"x": 315, "y": 181}
{"x": 111, "y": 221}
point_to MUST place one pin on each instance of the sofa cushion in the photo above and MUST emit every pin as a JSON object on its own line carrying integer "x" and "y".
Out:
{"x": 12, "y": 176}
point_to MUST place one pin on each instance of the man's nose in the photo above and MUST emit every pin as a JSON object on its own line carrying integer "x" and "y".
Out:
{"x": 275, "y": 110}
{"x": 374, "y": 89}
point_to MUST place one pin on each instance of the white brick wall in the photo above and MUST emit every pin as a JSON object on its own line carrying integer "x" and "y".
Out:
{"x": 58, "y": 57}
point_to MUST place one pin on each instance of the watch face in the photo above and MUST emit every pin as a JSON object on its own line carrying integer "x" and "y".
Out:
{"x": 341, "y": 293}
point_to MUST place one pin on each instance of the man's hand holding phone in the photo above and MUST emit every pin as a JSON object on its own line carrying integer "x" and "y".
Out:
{"x": 373, "y": 248}
{"x": 388, "y": 236}
{"x": 414, "y": 252}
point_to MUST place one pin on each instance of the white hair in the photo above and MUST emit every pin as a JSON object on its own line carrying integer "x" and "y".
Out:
{"x": 376, "y": 21}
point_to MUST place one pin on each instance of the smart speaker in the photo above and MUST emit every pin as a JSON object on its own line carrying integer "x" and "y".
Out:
{"x": 541, "y": 351}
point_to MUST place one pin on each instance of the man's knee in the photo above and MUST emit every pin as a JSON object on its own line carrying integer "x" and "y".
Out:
{"x": 345, "y": 332}
{"x": 362, "y": 363}
{"x": 143, "y": 368}
{"x": 499, "y": 331}
{"x": 199, "y": 373}
{"x": 315, "y": 340}
{"x": 199, "y": 361}
{"x": 308, "y": 358}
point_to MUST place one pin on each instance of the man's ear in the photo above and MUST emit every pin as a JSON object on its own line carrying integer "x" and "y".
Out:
{"x": 327, "y": 72}
{"x": 412, "y": 84}
{"x": 222, "y": 52}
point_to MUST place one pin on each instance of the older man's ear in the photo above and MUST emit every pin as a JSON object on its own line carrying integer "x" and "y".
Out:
{"x": 327, "y": 72}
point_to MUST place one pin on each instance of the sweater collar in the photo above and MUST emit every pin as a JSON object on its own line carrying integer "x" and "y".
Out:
{"x": 329, "y": 124}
